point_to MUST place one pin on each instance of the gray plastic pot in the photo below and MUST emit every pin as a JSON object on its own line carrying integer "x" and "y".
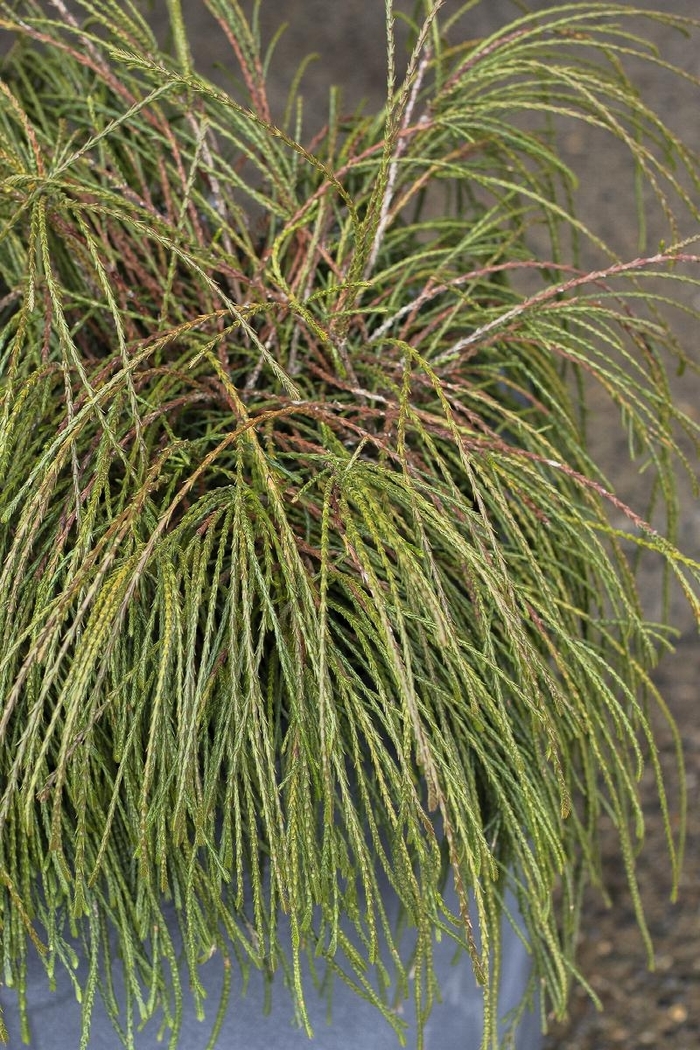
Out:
{"x": 454, "y": 1024}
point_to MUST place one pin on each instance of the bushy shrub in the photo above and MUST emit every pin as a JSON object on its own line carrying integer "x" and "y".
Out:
{"x": 307, "y": 571}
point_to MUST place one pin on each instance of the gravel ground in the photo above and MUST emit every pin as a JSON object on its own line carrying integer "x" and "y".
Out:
{"x": 660, "y": 1008}
{"x": 641, "y": 1008}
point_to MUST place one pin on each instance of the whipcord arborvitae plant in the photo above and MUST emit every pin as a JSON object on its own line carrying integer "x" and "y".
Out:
{"x": 307, "y": 572}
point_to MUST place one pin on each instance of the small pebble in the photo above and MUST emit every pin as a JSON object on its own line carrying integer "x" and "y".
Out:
{"x": 620, "y": 1034}
{"x": 678, "y": 1013}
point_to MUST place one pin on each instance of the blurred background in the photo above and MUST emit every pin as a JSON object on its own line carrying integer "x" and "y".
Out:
{"x": 641, "y": 1008}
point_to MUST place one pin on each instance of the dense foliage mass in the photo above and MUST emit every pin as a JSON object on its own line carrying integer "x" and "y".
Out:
{"x": 306, "y": 571}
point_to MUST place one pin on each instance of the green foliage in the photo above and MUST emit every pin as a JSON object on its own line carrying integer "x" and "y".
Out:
{"x": 306, "y": 569}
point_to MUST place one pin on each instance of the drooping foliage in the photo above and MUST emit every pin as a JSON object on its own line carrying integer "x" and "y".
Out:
{"x": 307, "y": 572}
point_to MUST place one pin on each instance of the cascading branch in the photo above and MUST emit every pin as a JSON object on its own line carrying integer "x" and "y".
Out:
{"x": 307, "y": 573}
